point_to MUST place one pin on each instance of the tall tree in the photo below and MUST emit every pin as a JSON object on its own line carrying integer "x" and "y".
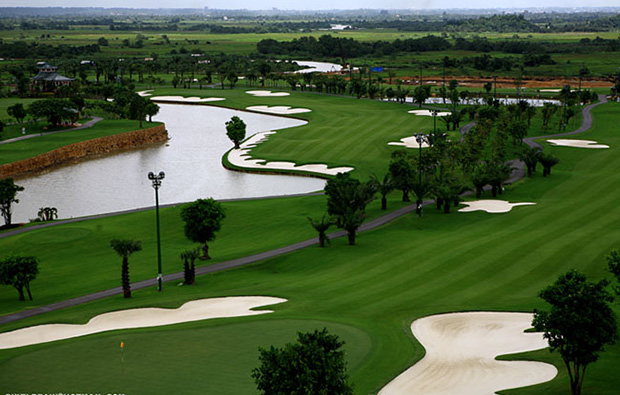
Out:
{"x": 8, "y": 191}
{"x": 17, "y": 111}
{"x": 346, "y": 200}
{"x": 124, "y": 248}
{"x": 235, "y": 130}
{"x": 579, "y": 324}
{"x": 203, "y": 218}
{"x": 19, "y": 271}
{"x": 314, "y": 365}
{"x": 403, "y": 173}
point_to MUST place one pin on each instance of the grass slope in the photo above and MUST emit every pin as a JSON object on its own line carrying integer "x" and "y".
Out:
{"x": 408, "y": 269}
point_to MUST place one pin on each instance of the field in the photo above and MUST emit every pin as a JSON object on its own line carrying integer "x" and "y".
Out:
{"x": 368, "y": 294}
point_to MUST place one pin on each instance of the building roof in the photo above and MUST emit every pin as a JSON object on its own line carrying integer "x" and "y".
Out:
{"x": 51, "y": 76}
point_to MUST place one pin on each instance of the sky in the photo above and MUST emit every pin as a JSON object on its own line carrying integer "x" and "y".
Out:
{"x": 310, "y": 5}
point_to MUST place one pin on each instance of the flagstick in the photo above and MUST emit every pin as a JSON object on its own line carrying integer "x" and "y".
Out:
{"x": 123, "y": 357}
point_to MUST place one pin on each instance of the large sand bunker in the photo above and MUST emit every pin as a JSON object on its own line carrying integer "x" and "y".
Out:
{"x": 577, "y": 143}
{"x": 429, "y": 113}
{"x": 491, "y": 206}
{"x": 409, "y": 142}
{"x": 193, "y": 99}
{"x": 460, "y": 355}
{"x": 278, "y": 109}
{"x": 241, "y": 157}
{"x": 195, "y": 310}
{"x": 267, "y": 93}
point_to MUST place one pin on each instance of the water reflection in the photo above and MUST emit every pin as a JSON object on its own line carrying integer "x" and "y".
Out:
{"x": 191, "y": 160}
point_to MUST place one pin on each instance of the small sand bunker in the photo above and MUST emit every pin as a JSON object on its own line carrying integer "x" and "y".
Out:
{"x": 577, "y": 143}
{"x": 492, "y": 206}
{"x": 460, "y": 355}
{"x": 278, "y": 109}
{"x": 428, "y": 113}
{"x": 409, "y": 142}
{"x": 145, "y": 93}
{"x": 195, "y": 310}
{"x": 267, "y": 93}
{"x": 193, "y": 99}
{"x": 241, "y": 157}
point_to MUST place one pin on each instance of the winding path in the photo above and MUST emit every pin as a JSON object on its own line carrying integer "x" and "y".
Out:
{"x": 518, "y": 172}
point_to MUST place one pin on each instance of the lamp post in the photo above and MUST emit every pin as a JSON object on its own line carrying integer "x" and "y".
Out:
{"x": 156, "y": 180}
{"x": 420, "y": 138}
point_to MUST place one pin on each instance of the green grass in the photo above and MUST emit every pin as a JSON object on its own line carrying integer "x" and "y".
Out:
{"x": 369, "y": 293}
{"x": 6, "y": 103}
{"x": 68, "y": 252}
{"x": 19, "y": 150}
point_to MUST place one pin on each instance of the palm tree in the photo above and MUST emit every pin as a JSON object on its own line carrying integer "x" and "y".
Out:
{"x": 547, "y": 161}
{"x": 530, "y": 156}
{"x": 321, "y": 227}
{"x": 351, "y": 220}
{"x": 189, "y": 269}
{"x": 124, "y": 248}
{"x": 383, "y": 187}
{"x": 47, "y": 213}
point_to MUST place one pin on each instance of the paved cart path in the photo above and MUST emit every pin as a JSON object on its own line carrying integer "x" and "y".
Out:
{"x": 30, "y": 136}
{"x": 518, "y": 172}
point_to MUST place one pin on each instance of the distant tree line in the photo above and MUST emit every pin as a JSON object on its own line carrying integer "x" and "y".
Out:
{"x": 21, "y": 50}
{"x": 449, "y": 23}
{"x": 330, "y": 46}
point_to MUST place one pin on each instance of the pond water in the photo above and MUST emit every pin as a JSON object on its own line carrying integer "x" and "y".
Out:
{"x": 191, "y": 161}
{"x": 503, "y": 100}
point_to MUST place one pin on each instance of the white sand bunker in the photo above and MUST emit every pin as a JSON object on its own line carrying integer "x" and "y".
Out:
{"x": 460, "y": 355}
{"x": 145, "y": 93}
{"x": 492, "y": 206}
{"x": 409, "y": 142}
{"x": 193, "y": 99}
{"x": 428, "y": 113}
{"x": 278, "y": 109}
{"x": 267, "y": 93}
{"x": 195, "y": 310}
{"x": 577, "y": 143}
{"x": 241, "y": 157}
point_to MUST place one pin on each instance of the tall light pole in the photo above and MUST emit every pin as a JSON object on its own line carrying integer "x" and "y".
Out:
{"x": 420, "y": 138}
{"x": 156, "y": 179}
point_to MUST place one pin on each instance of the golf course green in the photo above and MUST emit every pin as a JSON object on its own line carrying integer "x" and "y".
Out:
{"x": 368, "y": 294}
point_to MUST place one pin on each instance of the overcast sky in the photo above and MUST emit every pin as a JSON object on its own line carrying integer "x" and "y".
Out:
{"x": 310, "y": 5}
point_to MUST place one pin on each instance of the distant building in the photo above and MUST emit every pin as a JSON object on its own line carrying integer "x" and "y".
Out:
{"x": 48, "y": 79}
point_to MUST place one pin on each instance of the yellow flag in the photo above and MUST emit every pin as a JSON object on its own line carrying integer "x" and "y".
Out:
{"x": 122, "y": 344}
